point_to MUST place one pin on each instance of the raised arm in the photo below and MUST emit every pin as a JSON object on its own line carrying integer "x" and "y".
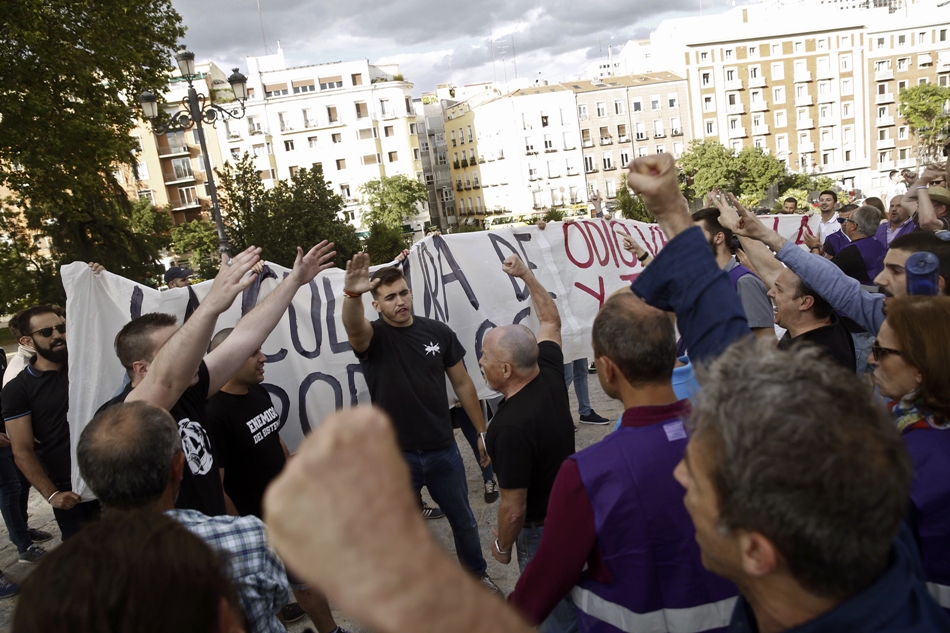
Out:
{"x": 177, "y": 361}
{"x": 255, "y": 326}
{"x": 359, "y": 331}
{"x": 544, "y": 307}
{"x": 926, "y": 215}
{"x": 766, "y": 266}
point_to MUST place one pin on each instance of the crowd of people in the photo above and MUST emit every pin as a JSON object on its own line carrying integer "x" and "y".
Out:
{"x": 781, "y": 462}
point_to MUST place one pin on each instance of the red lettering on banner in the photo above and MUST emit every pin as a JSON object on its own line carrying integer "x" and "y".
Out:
{"x": 595, "y": 294}
{"x": 591, "y": 226}
{"x": 567, "y": 246}
{"x": 799, "y": 239}
{"x": 775, "y": 224}
{"x": 633, "y": 262}
{"x": 630, "y": 278}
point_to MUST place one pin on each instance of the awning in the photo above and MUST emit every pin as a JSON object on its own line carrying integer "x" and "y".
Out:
{"x": 275, "y": 87}
{"x": 302, "y": 82}
{"x": 924, "y": 58}
{"x": 331, "y": 80}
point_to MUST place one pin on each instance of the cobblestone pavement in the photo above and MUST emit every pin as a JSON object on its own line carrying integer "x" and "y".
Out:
{"x": 505, "y": 576}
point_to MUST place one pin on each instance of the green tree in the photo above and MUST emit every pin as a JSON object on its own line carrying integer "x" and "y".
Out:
{"x": 922, "y": 106}
{"x": 392, "y": 199}
{"x": 631, "y": 206}
{"x": 383, "y": 243}
{"x": 29, "y": 277}
{"x": 301, "y": 213}
{"x": 553, "y": 215}
{"x": 198, "y": 240}
{"x": 153, "y": 224}
{"x": 748, "y": 174}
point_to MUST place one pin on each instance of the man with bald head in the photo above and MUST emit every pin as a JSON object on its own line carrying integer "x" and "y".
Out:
{"x": 898, "y": 222}
{"x": 532, "y": 432}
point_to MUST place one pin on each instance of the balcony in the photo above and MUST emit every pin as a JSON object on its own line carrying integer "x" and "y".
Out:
{"x": 829, "y": 143}
{"x": 587, "y": 143}
{"x": 456, "y": 165}
{"x": 623, "y": 139}
{"x": 468, "y": 186}
{"x": 806, "y": 148}
{"x": 828, "y": 97}
{"x": 883, "y": 75}
{"x": 550, "y": 150}
{"x": 825, "y": 73}
{"x": 641, "y": 136}
{"x": 804, "y": 124}
{"x": 590, "y": 170}
{"x": 803, "y": 76}
{"x": 170, "y": 151}
{"x": 736, "y": 108}
{"x": 887, "y": 143}
{"x": 458, "y": 185}
{"x": 737, "y": 132}
{"x": 177, "y": 178}
{"x": 733, "y": 84}
{"x": 887, "y": 97}
{"x": 760, "y": 130}
{"x": 183, "y": 203}
{"x": 606, "y": 140}
{"x": 883, "y": 121}
{"x": 803, "y": 100}
{"x": 759, "y": 106}
{"x": 659, "y": 135}
{"x": 676, "y": 132}
{"x": 757, "y": 82}
{"x": 464, "y": 162}
{"x": 286, "y": 127}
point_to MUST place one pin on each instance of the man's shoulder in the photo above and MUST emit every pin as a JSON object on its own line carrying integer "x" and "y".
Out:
{"x": 225, "y": 529}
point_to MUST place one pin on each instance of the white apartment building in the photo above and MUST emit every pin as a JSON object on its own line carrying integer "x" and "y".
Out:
{"x": 352, "y": 119}
{"x": 435, "y": 165}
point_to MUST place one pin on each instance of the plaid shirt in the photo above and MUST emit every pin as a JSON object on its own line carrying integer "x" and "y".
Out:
{"x": 257, "y": 573}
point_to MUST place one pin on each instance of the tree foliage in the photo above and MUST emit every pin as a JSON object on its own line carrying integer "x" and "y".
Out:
{"x": 553, "y": 215}
{"x": 199, "y": 240}
{"x": 748, "y": 174}
{"x": 301, "y": 212}
{"x": 392, "y": 199}
{"x": 631, "y": 206}
{"x": 922, "y": 106}
{"x": 383, "y": 243}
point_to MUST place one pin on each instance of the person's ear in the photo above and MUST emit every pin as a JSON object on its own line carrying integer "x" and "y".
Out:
{"x": 808, "y": 302}
{"x": 758, "y": 554}
{"x": 140, "y": 367}
{"x": 607, "y": 369}
{"x": 177, "y": 471}
{"x": 376, "y": 305}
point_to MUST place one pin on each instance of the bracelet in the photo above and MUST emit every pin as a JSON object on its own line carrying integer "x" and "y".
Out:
{"x": 922, "y": 187}
{"x": 352, "y": 295}
{"x": 499, "y": 549}
{"x": 643, "y": 258}
{"x": 50, "y": 500}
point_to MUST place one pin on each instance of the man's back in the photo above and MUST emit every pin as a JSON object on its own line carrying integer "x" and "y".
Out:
{"x": 834, "y": 340}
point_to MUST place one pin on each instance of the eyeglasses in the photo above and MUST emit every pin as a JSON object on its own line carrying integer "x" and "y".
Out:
{"x": 47, "y": 332}
{"x": 842, "y": 220}
{"x": 881, "y": 353}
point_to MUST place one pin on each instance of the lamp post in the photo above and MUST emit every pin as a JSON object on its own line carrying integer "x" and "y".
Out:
{"x": 195, "y": 111}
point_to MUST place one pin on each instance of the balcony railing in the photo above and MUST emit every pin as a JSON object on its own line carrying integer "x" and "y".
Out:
{"x": 756, "y": 82}
{"x": 883, "y": 75}
{"x": 587, "y": 143}
{"x": 803, "y": 100}
{"x": 828, "y": 97}
{"x": 733, "y": 84}
{"x": 806, "y": 147}
{"x": 804, "y": 124}
{"x": 802, "y": 76}
{"x": 676, "y": 132}
{"x": 759, "y": 106}
{"x": 641, "y": 136}
{"x": 883, "y": 121}
{"x": 887, "y": 97}
{"x": 887, "y": 143}
{"x": 759, "y": 130}
{"x": 737, "y": 132}
{"x": 606, "y": 140}
{"x": 736, "y": 108}
{"x": 172, "y": 150}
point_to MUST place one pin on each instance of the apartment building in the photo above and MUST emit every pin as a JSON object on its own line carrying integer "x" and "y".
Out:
{"x": 435, "y": 164}
{"x": 170, "y": 170}
{"x": 620, "y": 118}
{"x": 352, "y": 119}
{"x": 901, "y": 53}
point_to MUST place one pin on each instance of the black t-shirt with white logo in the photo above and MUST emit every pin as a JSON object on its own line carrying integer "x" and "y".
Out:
{"x": 532, "y": 433}
{"x": 201, "y": 484}
{"x": 405, "y": 368}
{"x": 247, "y": 444}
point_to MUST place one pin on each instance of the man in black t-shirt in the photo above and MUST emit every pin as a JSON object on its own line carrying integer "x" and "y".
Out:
{"x": 244, "y": 427}
{"x": 405, "y": 360}
{"x": 532, "y": 432}
{"x": 167, "y": 367}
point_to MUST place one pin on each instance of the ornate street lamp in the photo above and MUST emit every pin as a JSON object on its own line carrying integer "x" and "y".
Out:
{"x": 195, "y": 111}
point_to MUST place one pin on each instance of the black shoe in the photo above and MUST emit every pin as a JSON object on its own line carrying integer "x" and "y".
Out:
{"x": 592, "y": 368}
{"x": 487, "y": 583}
{"x": 431, "y": 512}
{"x": 38, "y": 536}
{"x": 291, "y": 612}
{"x": 491, "y": 491}
{"x": 593, "y": 418}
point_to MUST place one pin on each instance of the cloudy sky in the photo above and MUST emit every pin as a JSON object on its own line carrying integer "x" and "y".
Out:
{"x": 434, "y": 41}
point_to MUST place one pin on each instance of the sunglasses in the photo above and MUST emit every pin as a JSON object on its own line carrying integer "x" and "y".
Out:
{"x": 881, "y": 353}
{"x": 47, "y": 332}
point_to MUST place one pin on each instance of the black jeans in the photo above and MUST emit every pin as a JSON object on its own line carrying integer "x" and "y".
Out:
{"x": 14, "y": 496}
{"x": 70, "y": 521}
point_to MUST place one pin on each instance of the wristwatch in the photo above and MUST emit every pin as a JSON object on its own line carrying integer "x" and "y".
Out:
{"x": 484, "y": 437}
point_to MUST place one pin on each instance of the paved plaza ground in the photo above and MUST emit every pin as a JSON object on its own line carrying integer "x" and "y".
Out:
{"x": 505, "y": 576}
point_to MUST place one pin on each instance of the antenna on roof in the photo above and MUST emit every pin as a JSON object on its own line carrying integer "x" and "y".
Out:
{"x": 260, "y": 16}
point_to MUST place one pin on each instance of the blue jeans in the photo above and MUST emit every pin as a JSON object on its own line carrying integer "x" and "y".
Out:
{"x": 443, "y": 474}
{"x": 576, "y": 372}
{"x": 562, "y": 619}
{"x": 14, "y": 495}
{"x": 468, "y": 430}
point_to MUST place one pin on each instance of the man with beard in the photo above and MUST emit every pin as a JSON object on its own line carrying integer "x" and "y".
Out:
{"x": 898, "y": 222}
{"x": 34, "y": 409}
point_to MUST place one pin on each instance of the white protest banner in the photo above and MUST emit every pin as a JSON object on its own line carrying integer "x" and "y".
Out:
{"x": 311, "y": 370}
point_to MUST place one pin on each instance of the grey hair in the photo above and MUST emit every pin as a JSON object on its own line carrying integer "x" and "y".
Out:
{"x": 867, "y": 219}
{"x": 125, "y": 454}
{"x": 805, "y": 457}
{"x": 518, "y": 346}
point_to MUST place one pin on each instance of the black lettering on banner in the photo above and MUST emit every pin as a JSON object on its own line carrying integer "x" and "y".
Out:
{"x": 135, "y": 305}
{"x": 430, "y": 297}
{"x": 275, "y": 390}
{"x": 521, "y": 316}
{"x": 521, "y": 238}
{"x": 250, "y": 295}
{"x": 480, "y": 336}
{"x": 305, "y": 387}
{"x": 314, "y": 321}
{"x": 443, "y": 253}
{"x": 351, "y": 370}
{"x": 521, "y": 290}
{"x": 335, "y": 346}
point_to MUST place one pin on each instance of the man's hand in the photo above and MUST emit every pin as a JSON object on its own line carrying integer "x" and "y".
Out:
{"x": 315, "y": 261}
{"x": 4, "y": 440}
{"x": 752, "y": 227}
{"x": 630, "y": 244}
{"x": 515, "y": 267}
{"x": 483, "y": 459}
{"x": 503, "y": 558}
{"x": 65, "y": 500}
{"x": 931, "y": 173}
{"x": 96, "y": 267}
{"x": 357, "y": 275}
{"x": 811, "y": 241}
{"x": 654, "y": 178}
{"x": 230, "y": 281}
{"x": 727, "y": 214}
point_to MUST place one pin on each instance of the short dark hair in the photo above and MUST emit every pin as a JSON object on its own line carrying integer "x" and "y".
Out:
{"x": 387, "y": 276}
{"x": 848, "y": 208}
{"x": 13, "y": 325}
{"x": 129, "y": 571}
{"x": 133, "y": 342}
{"x": 821, "y": 308}
{"x": 790, "y": 199}
{"x": 25, "y": 317}
{"x": 925, "y": 241}
{"x": 125, "y": 454}
{"x": 814, "y": 458}
{"x": 219, "y": 338}
{"x": 639, "y": 339}
{"x": 891, "y": 173}
{"x": 709, "y": 216}
{"x": 829, "y": 192}
{"x": 878, "y": 204}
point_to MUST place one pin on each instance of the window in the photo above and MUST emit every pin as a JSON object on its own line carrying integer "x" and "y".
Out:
{"x": 301, "y": 87}
{"x": 902, "y": 40}
{"x": 709, "y": 104}
{"x": 384, "y": 109}
{"x": 921, "y": 81}
{"x": 637, "y": 105}
{"x": 365, "y": 133}
{"x": 258, "y": 150}
{"x": 564, "y": 117}
{"x": 654, "y": 102}
{"x": 778, "y": 71}
{"x": 585, "y": 138}
{"x": 544, "y": 123}
{"x": 675, "y": 128}
{"x": 528, "y": 144}
{"x": 341, "y": 163}
{"x": 288, "y": 146}
{"x": 392, "y": 156}
{"x": 706, "y": 79}
{"x": 345, "y": 190}
{"x": 332, "y": 116}
{"x": 677, "y": 150}
{"x": 622, "y": 133}
{"x": 880, "y": 43}
{"x": 624, "y": 157}
{"x": 601, "y": 108}
{"x": 329, "y": 83}
{"x": 781, "y": 143}
{"x": 147, "y": 194}
{"x": 389, "y": 131}
{"x": 441, "y": 158}
{"x": 181, "y": 168}
{"x": 753, "y": 72}
{"x": 903, "y": 63}
{"x": 370, "y": 159}
{"x": 568, "y": 140}
{"x": 704, "y": 56}
{"x": 753, "y": 52}
{"x": 589, "y": 164}
{"x": 824, "y": 112}
{"x": 728, "y": 53}
{"x": 902, "y": 133}
{"x": 822, "y": 44}
{"x": 922, "y": 37}
{"x": 902, "y": 85}
{"x": 881, "y": 112}
{"x": 642, "y": 151}
{"x": 582, "y": 112}
{"x": 608, "y": 161}
{"x": 416, "y": 154}
{"x": 236, "y": 153}
{"x": 780, "y": 120}
{"x": 553, "y": 169}
{"x": 730, "y": 74}
{"x": 943, "y": 35}
{"x": 799, "y": 47}
{"x": 605, "y": 135}
{"x": 710, "y": 127}
{"x": 847, "y": 134}
{"x": 275, "y": 90}
{"x": 356, "y": 79}
{"x": 778, "y": 94}
{"x": 845, "y": 63}
{"x": 548, "y": 142}
{"x": 362, "y": 110}
{"x": 469, "y": 130}
{"x": 618, "y": 106}
{"x": 846, "y": 107}
{"x": 641, "y": 131}
{"x": 824, "y": 88}
{"x": 734, "y": 123}
{"x": 847, "y": 87}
